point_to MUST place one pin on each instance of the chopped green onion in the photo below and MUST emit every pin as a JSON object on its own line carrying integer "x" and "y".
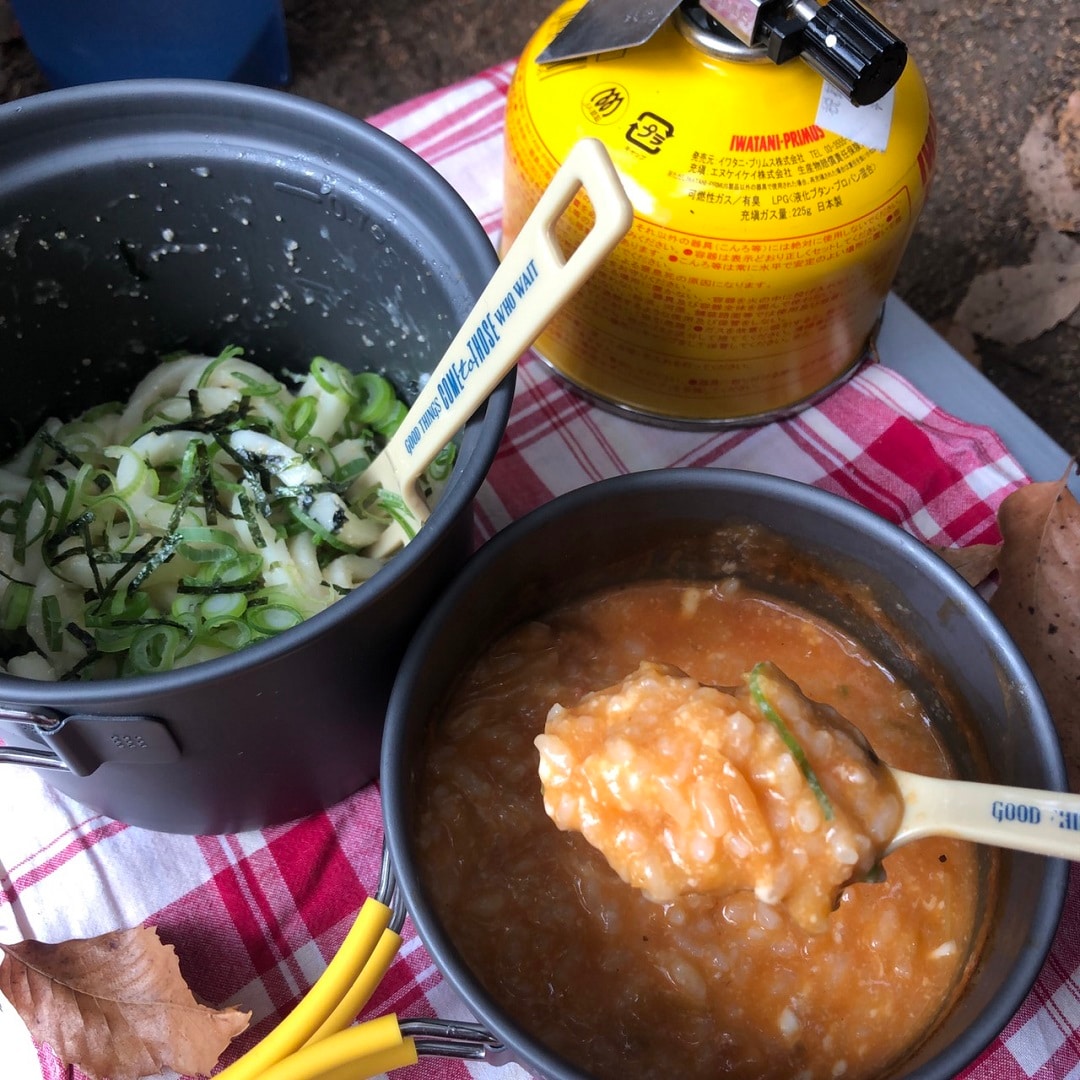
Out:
{"x": 319, "y": 531}
{"x": 227, "y": 354}
{"x": 9, "y": 515}
{"x": 257, "y": 387}
{"x": 225, "y": 605}
{"x": 300, "y": 418}
{"x": 205, "y": 544}
{"x": 120, "y": 525}
{"x": 240, "y": 572}
{"x": 769, "y": 712}
{"x": 273, "y": 618}
{"x": 153, "y": 649}
{"x": 334, "y": 379}
{"x": 376, "y": 395}
{"x": 52, "y": 622}
{"x": 38, "y": 493}
{"x": 443, "y": 464}
{"x": 229, "y": 634}
{"x": 382, "y": 504}
{"x": 388, "y": 424}
{"x": 117, "y": 609}
{"x": 115, "y": 638}
{"x": 241, "y": 569}
{"x": 15, "y": 604}
{"x": 345, "y": 474}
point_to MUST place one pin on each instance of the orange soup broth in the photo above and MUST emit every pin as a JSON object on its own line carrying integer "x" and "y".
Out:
{"x": 706, "y": 985}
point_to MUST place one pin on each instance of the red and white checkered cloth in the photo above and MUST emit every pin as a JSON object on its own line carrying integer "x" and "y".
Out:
{"x": 255, "y": 917}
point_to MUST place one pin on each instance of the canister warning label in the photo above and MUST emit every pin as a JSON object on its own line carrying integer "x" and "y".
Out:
{"x": 700, "y": 294}
{"x": 752, "y": 187}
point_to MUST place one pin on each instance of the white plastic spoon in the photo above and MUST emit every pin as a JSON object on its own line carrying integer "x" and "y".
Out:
{"x": 1023, "y": 819}
{"x": 531, "y": 284}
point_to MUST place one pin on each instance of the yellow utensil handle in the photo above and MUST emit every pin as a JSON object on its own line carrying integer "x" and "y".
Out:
{"x": 374, "y": 1045}
{"x": 321, "y": 1000}
{"x": 361, "y": 990}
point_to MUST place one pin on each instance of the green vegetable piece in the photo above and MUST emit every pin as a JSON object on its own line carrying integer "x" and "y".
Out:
{"x": 15, "y": 604}
{"x": 768, "y": 710}
{"x": 227, "y": 354}
{"x": 334, "y": 379}
{"x": 376, "y": 398}
{"x": 441, "y": 467}
{"x": 153, "y": 649}
{"x": 300, "y": 418}
{"x": 51, "y": 618}
{"x": 273, "y": 618}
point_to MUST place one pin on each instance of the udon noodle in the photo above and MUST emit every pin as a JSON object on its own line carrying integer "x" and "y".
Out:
{"x": 215, "y": 508}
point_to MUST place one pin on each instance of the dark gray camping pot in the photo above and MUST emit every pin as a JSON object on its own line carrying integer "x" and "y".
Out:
{"x": 139, "y": 218}
{"x": 878, "y": 584}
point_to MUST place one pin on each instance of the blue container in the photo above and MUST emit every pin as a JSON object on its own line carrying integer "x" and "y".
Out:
{"x": 89, "y": 41}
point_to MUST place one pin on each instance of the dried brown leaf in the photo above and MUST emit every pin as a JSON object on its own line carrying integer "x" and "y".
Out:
{"x": 961, "y": 339}
{"x": 974, "y": 563}
{"x": 1056, "y": 247}
{"x": 1055, "y": 199}
{"x": 1038, "y": 597}
{"x": 115, "y": 1005}
{"x": 1020, "y": 303}
{"x": 1069, "y": 135}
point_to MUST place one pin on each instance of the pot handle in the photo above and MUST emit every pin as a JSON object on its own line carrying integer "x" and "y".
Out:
{"x": 80, "y": 743}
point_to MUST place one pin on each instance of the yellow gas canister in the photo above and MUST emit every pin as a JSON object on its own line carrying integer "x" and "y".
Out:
{"x": 770, "y": 213}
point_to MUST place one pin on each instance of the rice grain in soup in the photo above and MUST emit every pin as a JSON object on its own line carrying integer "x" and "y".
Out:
{"x": 705, "y": 984}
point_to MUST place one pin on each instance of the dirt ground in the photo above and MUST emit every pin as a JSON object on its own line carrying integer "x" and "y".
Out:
{"x": 990, "y": 65}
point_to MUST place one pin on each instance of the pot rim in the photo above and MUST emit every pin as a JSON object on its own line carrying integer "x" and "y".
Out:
{"x": 711, "y": 482}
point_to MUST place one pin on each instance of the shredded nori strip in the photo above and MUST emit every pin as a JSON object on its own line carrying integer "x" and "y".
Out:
{"x": 15, "y": 580}
{"x": 213, "y": 423}
{"x": 82, "y": 636}
{"x": 60, "y": 449}
{"x": 125, "y": 560}
{"x": 166, "y": 550}
{"x": 91, "y": 558}
{"x": 248, "y": 510}
{"x": 72, "y": 528}
{"x": 186, "y": 585}
{"x": 206, "y": 482}
{"x": 258, "y": 476}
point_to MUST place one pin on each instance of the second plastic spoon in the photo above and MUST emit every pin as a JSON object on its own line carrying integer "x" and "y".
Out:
{"x": 1023, "y": 819}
